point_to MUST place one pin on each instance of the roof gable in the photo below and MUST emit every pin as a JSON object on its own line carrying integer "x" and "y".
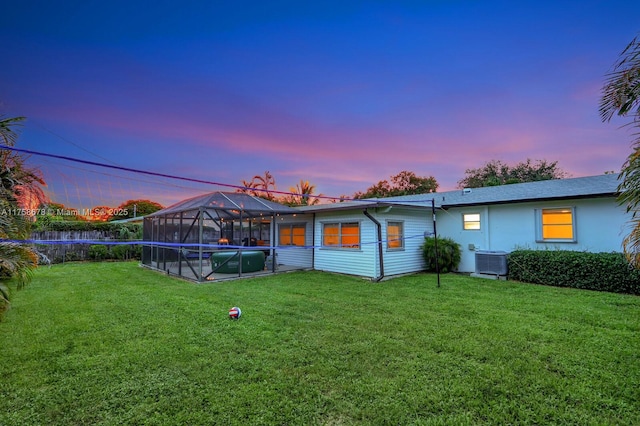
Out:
{"x": 232, "y": 203}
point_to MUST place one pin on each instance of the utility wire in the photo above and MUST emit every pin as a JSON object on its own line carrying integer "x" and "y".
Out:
{"x": 182, "y": 178}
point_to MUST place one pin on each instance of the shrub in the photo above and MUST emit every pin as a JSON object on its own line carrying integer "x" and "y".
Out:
{"x": 4, "y": 299}
{"x": 562, "y": 268}
{"x": 124, "y": 233}
{"x": 71, "y": 256}
{"x": 448, "y": 254}
{"x": 137, "y": 251}
{"x": 82, "y": 230}
{"x": 98, "y": 252}
{"x": 107, "y": 227}
{"x": 125, "y": 251}
{"x": 120, "y": 252}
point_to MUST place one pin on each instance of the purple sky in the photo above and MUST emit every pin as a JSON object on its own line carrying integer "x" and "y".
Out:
{"x": 340, "y": 93}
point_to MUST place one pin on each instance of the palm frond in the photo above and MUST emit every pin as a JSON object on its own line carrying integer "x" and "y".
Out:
{"x": 631, "y": 244}
{"x": 8, "y": 135}
{"x": 621, "y": 92}
{"x": 17, "y": 261}
{"x": 4, "y": 299}
{"x": 621, "y": 96}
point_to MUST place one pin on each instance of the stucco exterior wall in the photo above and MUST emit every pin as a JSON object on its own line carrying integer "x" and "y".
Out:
{"x": 600, "y": 227}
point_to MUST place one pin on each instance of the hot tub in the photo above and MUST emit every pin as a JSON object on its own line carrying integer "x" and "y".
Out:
{"x": 227, "y": 262}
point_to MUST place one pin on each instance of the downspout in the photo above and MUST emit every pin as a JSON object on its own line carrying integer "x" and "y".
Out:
{"x": 200, "y": 242}
{"x": 313, "y": 242}
{"x": 240, "y": 249}
{"x": 272, "y": 242}
{"x": 180, "y": 246}
{"x": 379, "y": 227}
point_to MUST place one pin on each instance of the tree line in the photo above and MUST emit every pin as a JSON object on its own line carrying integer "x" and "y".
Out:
{"x": 492, "y": 173}
{"x": 49, "y": 211}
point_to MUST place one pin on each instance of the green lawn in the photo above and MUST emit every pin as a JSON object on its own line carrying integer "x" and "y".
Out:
{"x": 113, "y": 343}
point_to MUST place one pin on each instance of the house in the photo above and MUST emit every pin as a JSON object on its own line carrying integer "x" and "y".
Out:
{"x": 378, "y": 238}
{"x": 368, "y": 238}
{"x": 375, "y": 238}
{"x": 579, "y": 214}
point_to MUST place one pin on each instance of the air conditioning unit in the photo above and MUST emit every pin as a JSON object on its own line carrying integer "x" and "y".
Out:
{"x": 491, "y": 262}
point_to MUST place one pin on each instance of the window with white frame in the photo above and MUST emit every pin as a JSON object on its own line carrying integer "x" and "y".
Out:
{"x": 291, "y": 234}
{"x": 395, "y": 235}
{"x": 471, "y": 221}
{"x": 344, "y": 235}
{"x": 556, "y": 224}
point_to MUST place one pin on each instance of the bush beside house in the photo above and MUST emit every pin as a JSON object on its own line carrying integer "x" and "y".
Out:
{"x": 448, "y": 254}
{"x": 591, "y": 271}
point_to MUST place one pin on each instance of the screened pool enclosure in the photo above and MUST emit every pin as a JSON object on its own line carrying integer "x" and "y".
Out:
{"x": 216, "y": 235}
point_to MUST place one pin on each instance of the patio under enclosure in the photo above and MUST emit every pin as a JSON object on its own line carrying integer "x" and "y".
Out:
{"x": 213, "y": 236}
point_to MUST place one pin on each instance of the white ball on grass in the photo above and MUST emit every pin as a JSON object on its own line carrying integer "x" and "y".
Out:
{"x": 235, "y": 312}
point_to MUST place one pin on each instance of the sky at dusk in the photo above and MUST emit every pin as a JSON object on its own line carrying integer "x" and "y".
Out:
{"x": 340, "y": 93}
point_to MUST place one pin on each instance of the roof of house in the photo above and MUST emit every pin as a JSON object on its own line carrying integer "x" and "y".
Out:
{"x": 228, "y": 205}
{"x": 355, "y": 204}
{"x": 584, "y": 187}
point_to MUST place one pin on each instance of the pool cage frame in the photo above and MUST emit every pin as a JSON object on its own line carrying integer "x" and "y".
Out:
{"x": 182, "y": 239}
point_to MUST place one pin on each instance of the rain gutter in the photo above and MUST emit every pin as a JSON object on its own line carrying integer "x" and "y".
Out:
{"x": 380, "y": 256}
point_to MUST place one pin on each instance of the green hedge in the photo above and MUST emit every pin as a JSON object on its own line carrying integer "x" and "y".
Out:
{"x": 82, "y": 230}
{"x": 126, "y": 251}
{"x": 591, "y": 271}
{"x": 109, "y": 227}
{"x": 98, "y": 252}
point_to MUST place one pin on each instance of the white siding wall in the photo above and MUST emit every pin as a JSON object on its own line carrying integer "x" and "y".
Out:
{"x": 365, "y": 262}
{"x": 410, "y": 258}
{"x": 292, "y": 255}
{"x": 600, "y": 227}
{"x": 361, "y": 262}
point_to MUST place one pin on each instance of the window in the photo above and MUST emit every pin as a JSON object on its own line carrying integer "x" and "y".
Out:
{"x": 556, "y": 224}
{"x": 471, "y": 221}
{"x": 292, "y": 234}
{"x": 395, "y": 235}
{"x": 341, "y": 235}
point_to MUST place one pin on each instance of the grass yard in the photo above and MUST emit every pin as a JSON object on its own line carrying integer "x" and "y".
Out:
{"x": 113, "y": 343}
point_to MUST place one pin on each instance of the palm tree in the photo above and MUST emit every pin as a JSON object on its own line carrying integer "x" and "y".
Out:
{"x": 303, "y": 194}
{"x": 265, "y": 185}
{"x": 17, "y": 184}
{"x": 20, "y": 183}
{"x": 260, "y": 186}
{"x": 7, "y": 135}
{"x": 247, "y": 187}
{"x": 621, "y": 96}
{"x": 16, "y": 260}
